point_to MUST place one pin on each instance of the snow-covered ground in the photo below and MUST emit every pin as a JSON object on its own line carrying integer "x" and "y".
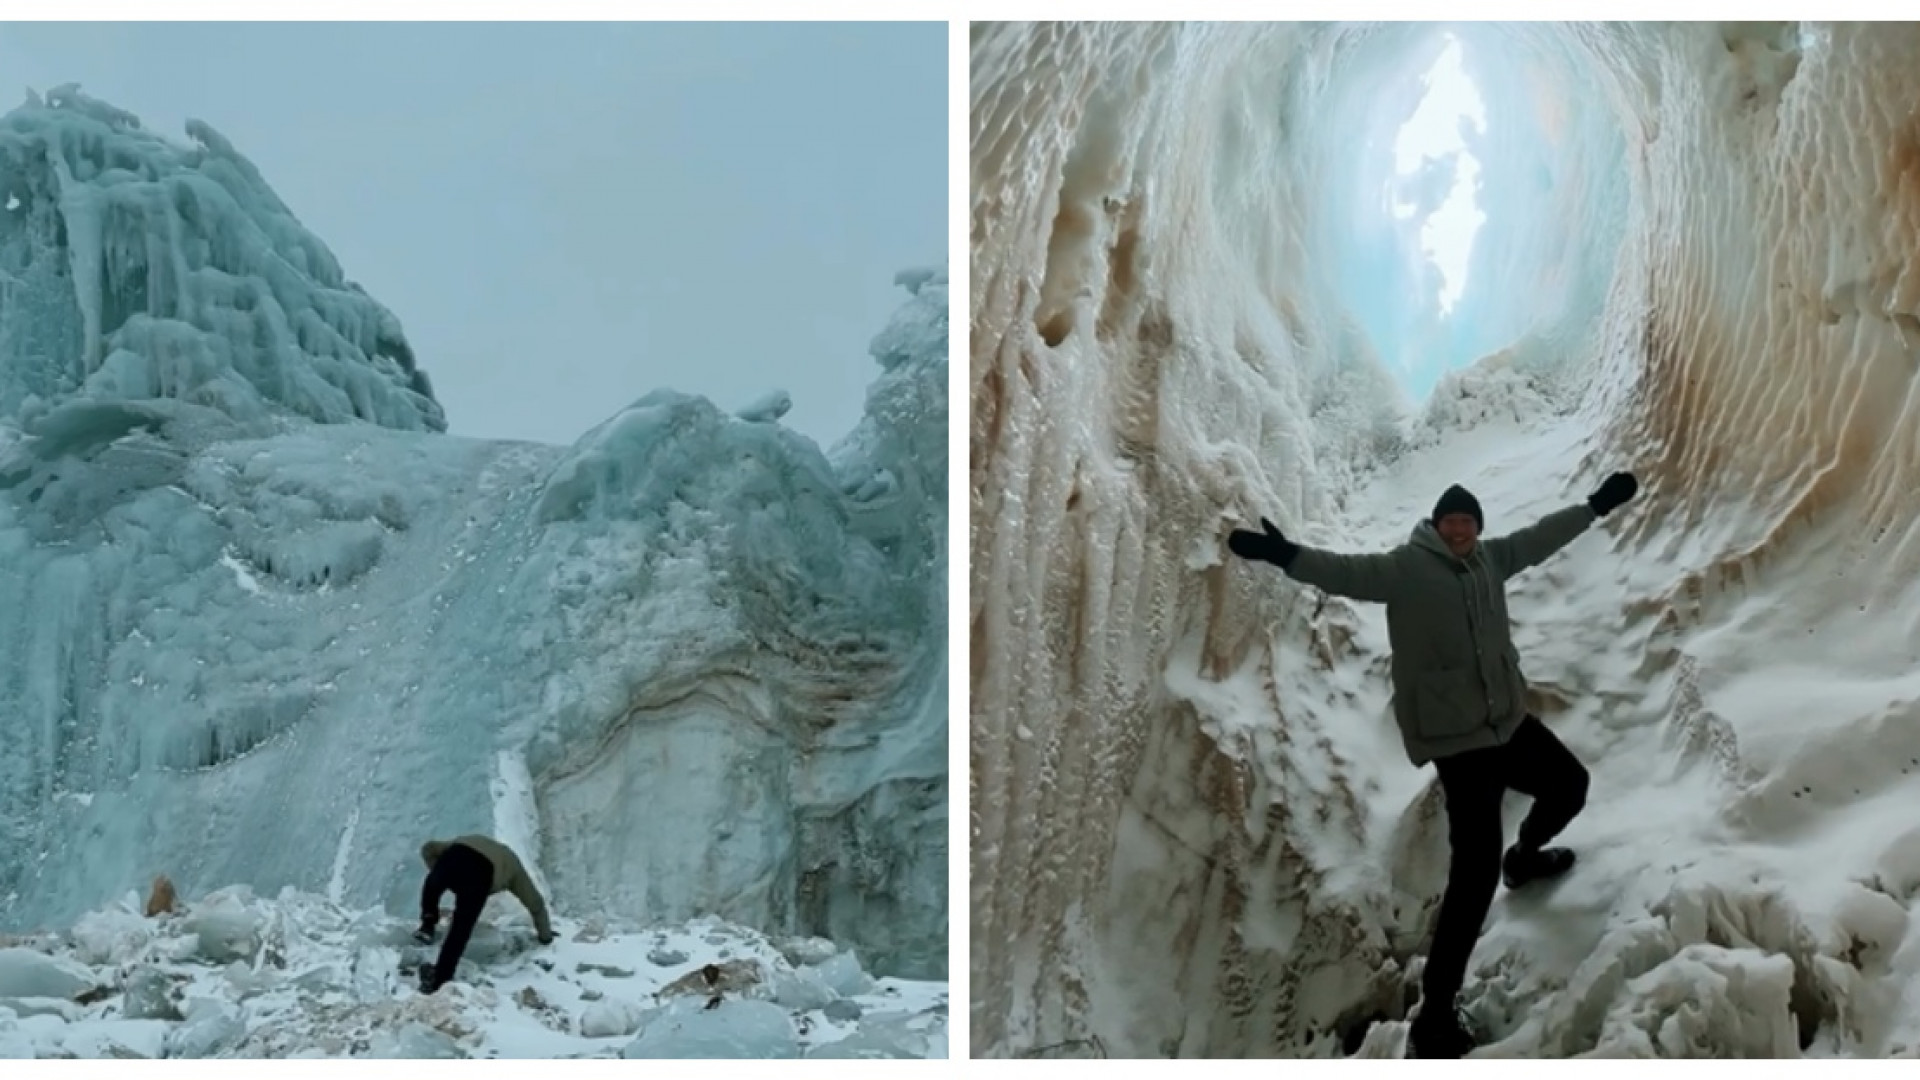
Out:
{"x": 234, "y": 975}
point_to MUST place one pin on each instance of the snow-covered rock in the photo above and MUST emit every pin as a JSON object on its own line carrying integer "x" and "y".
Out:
{"x": 227, "y": 928}
{"x": 42, "y": 1006}
{"x": 211, "y": 1026}
{"x": 803, "y": 989}
{"x": 733, "y": 1029}
{"x": 15, "y": 1044}
{"x": 804, "y": 951}
{"x": 25, "y": 973}
{"x": 609, "y": 1017}
{"x": 731, "y": 977}
{"x": 871, "y": 1045}
{"x": 110, "y": 935}
{"x": 417, "y": 1040}
{"x": 842, "y": 974}
{"x": 117, "y": 1039}
{"x": 149, "y": 994}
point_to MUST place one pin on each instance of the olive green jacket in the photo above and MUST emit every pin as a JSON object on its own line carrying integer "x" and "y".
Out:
{"x": 1457, "y": 684}
{"x": 508, "y": 875}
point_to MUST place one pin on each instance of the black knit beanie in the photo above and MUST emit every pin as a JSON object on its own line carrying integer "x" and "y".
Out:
{"x": 1458, "y": 500}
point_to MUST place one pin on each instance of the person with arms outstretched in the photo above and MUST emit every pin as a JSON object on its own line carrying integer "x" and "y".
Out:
{"x": 1459, "y": 699}
{"x": 472, "y": 868}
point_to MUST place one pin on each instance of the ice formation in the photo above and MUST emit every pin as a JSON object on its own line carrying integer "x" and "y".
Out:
{"x": 242, "y": 976}
{"x": 263, "y": 623}
{"x": 134, "y": 269}
{"x": 1193, "y": 831}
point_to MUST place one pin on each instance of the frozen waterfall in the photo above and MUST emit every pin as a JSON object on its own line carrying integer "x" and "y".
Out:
{"x": 264, "y": 625}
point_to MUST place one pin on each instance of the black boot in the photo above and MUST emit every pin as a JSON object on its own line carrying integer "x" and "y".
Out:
{"x": 1523, "y": 865}
{"x": 1443, "y": 1035}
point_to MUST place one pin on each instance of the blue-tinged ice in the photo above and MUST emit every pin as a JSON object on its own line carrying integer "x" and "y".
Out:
{"x": 262, "y": 622}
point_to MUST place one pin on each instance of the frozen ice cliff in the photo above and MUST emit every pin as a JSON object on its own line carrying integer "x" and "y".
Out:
{"x": 133, "y": 269}
{"x": 263, "y": 624}
{"x": 1193, "y": 831}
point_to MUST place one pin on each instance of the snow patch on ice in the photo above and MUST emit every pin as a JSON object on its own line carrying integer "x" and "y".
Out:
{"x": 337, "y": 884}
{"x": 516, "y": 816}
{"x": 241, "y": 574}
{"x": 767, "y": 409}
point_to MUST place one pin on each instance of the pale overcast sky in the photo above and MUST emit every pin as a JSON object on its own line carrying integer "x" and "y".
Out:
{"x": 567, "y": 216}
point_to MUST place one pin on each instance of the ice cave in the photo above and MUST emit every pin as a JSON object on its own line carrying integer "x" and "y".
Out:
{"x": 265, "y": 627}
{"x": 1695, "y": 255}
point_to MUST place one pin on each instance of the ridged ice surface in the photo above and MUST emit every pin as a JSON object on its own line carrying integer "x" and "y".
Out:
{"x": 262, "y": 625}
{"x": 1193, "y": 828}
{"x": 135, "y": 268}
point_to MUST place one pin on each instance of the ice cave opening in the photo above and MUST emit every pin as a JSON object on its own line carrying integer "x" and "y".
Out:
{"x": 1439, "y": 173}
{"x": 1412, "y": 209}
{"x": 1193, "y": 828}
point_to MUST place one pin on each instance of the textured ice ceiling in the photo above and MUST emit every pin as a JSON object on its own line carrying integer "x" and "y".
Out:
{"x": 1188, "y": 836}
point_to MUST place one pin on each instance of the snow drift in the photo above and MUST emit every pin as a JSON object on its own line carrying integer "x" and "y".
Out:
{"x": 261, "y": 623}
{"x": 1193, "y": 829}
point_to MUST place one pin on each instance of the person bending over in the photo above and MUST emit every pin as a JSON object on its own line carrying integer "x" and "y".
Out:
{"x": 472, "y": 868}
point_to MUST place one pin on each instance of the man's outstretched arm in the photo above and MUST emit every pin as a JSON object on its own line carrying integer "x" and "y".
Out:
{"x": 1526, "y": 548}
{"x": 1358, "y": 577}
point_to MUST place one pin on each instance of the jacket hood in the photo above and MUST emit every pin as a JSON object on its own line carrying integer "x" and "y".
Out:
{"x": 431, "y": 851}
{"x": 1428, "y": 538}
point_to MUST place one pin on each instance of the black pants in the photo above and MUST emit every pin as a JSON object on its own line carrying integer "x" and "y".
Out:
{"x": 1533, "y": 763}
{"x": 469, "y": 876}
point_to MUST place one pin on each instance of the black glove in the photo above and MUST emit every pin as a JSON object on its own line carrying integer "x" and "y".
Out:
{"x": 1271, "y": 546}
{"x": 1613, "y": 491}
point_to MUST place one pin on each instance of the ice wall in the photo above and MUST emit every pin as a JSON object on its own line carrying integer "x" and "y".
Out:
{"x": 260, "y": 628}
{"x": 134, "y": 268}
{"x": 773, "y": 662}
{"x": 1189, "y": 832}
